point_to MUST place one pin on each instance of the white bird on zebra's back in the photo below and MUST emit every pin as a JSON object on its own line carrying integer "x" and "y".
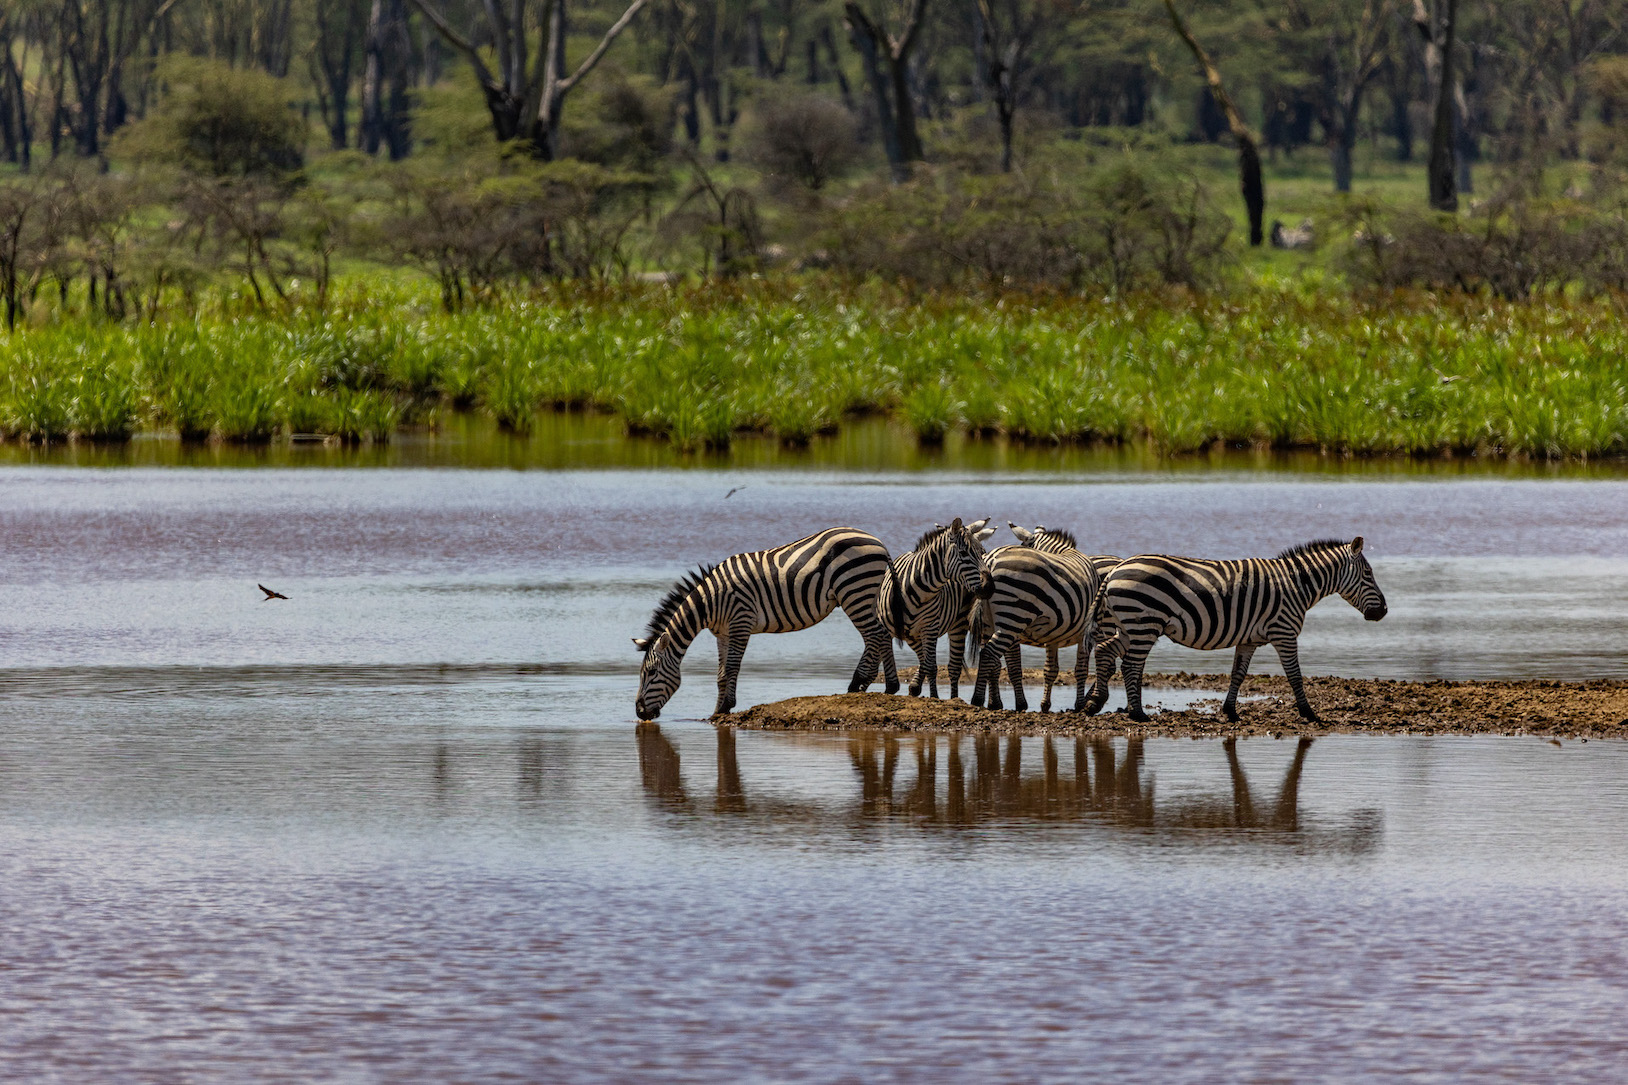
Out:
{"x": 779, "y": 590}
{"x": 1239, "y": 604}
{"x": 928, "y": 591}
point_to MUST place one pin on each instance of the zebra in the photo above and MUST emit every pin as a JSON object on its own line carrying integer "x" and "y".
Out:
{"x": 1041, "y": 539}
{"x": 1043, "y": 594}
{"x": 1230, "y": 604}
{"x": 927, "y": 587}
{"x": 780, "y": 590}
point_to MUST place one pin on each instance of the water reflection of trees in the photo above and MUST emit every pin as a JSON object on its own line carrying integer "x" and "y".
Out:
{"x": 959, "y": 782}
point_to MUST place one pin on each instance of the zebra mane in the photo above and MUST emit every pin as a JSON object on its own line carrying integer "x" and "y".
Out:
{"x": 1315, "y": 546}
{"x": 929, "y": 536}
{"x": 671, "y": 601}
{"x": 1061, "y": 534}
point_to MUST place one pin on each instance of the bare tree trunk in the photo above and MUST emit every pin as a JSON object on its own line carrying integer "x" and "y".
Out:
{"x": 886, "y": 61}
{"x": 1438, "y": 37}
{"x": 1249, "y": 155}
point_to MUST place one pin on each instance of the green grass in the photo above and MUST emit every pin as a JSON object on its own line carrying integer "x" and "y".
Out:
{"x": 1287, "y": 366}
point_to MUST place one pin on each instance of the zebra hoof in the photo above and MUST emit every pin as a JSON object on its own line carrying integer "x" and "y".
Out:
{"x": 1230, "y": 711}
{"x": 893, "y": 687}
{"x": 1138, "y": 716}
{"x": 1309, "y": 714}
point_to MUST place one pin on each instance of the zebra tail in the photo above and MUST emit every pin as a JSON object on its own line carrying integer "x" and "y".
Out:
{"x": 981, "y": 617}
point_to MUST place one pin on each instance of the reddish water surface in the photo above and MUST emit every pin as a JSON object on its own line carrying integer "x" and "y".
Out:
{"x": 403, "y": 825}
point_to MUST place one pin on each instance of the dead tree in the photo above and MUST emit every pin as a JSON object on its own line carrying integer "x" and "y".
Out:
{"x": 886, "y": 60}
{"x": 525, "y": 100}
{"x": 1249, "y": 155}
{"x": 1007, "y": 35}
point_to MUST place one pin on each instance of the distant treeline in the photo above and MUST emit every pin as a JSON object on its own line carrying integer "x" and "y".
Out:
{"x": 978, "y": 81}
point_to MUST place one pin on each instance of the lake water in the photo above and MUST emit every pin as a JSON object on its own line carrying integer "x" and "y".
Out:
{"x": 404, "y": 825}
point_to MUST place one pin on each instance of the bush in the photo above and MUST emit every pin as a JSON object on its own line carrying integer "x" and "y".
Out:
{"x": 220, "y": 120}
{"x": 808, "y": 138}
{"x": 1511, "y": 248}
{"x": 1125, "y": 228}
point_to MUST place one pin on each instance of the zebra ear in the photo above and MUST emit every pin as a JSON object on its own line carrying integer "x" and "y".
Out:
{"x": 1356, "y": 545}
{"x": 956, "y": 525}
{"x": 978, "y": 525}
{"x": 1024, "y": 534}
{"x": 984, "y": 534}
{"x": 641, "y": 644}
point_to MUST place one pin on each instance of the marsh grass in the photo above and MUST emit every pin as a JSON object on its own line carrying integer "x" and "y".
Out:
{"x": 1272, "y": 367}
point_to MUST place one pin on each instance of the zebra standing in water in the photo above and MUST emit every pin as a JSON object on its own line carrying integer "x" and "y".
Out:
{"x": 1041, "y": 539}
{"x": 1230, "y": 604}
{"x": 1043, "y": 594}
{"x": 925, "y": 587}
{"x": 781, "y": 590}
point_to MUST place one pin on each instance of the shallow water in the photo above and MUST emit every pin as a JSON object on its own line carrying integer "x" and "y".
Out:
{"x": 404, "y": 826}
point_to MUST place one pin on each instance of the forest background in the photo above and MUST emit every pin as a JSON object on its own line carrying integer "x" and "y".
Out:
{"x": 1370, "y": 226}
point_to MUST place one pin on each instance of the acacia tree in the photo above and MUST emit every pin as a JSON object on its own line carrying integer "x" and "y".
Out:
{"x": 339, "y": 27}
{"x": 526, "y": 100}
{"x": 1249, "y": 155}
{"x": 1012, "y": 32}
{"x": 1437, "y": 31}
{"x": 886, "y": 59}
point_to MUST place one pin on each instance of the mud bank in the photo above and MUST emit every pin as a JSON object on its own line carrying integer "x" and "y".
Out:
{"x": 1347, "y": 705}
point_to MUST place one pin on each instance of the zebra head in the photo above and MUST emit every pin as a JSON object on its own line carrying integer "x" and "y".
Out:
{"x": 1357, "y": 586}
{"x": 658, "y": 676}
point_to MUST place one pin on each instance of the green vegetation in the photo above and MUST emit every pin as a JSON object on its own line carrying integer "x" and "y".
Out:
{"x": 1279, "y": 366}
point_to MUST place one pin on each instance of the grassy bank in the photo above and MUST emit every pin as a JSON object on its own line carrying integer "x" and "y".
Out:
{"x": 1279, "y": 367}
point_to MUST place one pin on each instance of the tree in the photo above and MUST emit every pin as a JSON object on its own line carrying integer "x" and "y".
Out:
{"x": 526, "y": 102}
{"x": 1249, "y": 155}
{"x": 886, "y": 59}
{"x": 339, "y": 28}
{"x": 1010, "y": 31}
{"x": 1437, "y": 31}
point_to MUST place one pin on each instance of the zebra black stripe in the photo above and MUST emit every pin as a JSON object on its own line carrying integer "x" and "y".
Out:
{"x": 780, "y": 590}
{"x": 1229, "y": 604}
{"x": 927, "y": 587}
{"x": 1045, "y": 595}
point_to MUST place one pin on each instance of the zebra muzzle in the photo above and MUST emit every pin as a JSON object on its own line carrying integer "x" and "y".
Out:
{"x": 1373, "y": 614}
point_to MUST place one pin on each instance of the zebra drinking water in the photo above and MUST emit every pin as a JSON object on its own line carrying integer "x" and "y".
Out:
{"x": 928, "y": 587}
{"x": 1043, "y": 594}
{"x": 1230, "y": 604}
{"x": 780, "y": 590}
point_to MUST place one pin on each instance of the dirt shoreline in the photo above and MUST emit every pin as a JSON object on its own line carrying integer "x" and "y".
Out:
{"x": 1595, "y": 709}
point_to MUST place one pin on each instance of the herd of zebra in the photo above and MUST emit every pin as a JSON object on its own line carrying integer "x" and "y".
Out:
{"x": 1041, "y": 592}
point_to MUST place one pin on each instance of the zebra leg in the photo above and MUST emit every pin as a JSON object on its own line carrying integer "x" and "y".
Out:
{"x": 730, "y": 650}
{"x": 1014, "y": 673}
{"x": 1082, "y": 671}
{"x": 1052, "y": 669}
{"x": 921, "y": 667}
{"x": 927, "y": 658}
{"x": 878, "y": 646}
{"x": 1240, "y": 667}
{"x": 1107, "y": 657}
{"x": 1289, "y": 654}
{"x": 958, "y": 646}
{"x": 989, "y": 678}
{"x": 1136, "y": 658}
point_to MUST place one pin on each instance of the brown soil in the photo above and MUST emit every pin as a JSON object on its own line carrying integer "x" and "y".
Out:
{"x": 1347, "y": 706}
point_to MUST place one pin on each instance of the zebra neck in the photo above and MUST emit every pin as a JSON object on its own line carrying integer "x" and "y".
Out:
{"x": 923, "y": 576}
{"x": 1315, "y": 576}
{"x": 688, "y": 620}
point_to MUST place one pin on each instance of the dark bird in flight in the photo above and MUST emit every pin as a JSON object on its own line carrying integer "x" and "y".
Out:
{"x": 270, "y": 595}
{"x": 733, "y": 492}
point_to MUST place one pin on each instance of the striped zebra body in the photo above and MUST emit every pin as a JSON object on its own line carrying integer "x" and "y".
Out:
{"x": 780, "y": 590}
{"x": 1042, "y": 593}
{"x": 1229, "y": 604}
{"x": 1040, "y": 538}
{"x": 924, "y": 587}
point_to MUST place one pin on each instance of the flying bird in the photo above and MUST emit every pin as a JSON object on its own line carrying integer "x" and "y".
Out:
{"x": 270, "y": 595}
{"x": 733, "y": 492}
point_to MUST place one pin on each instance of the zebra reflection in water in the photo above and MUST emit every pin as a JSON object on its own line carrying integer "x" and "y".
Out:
{"x": 1105, "y": 781}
